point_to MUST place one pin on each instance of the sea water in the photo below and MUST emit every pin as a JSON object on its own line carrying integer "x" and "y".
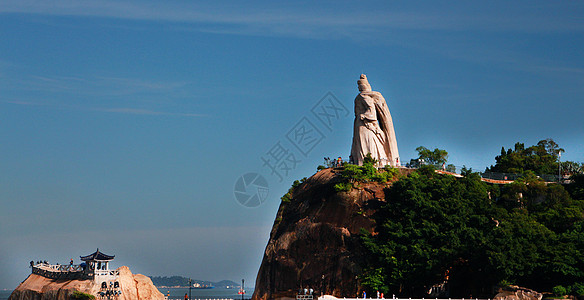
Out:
{"x": 4, "y": 294}
{"x": 216, "y": 293}
{"x": 179, "y": 293}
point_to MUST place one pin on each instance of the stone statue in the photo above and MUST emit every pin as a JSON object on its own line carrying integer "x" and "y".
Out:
{"x": 373, "y": 128}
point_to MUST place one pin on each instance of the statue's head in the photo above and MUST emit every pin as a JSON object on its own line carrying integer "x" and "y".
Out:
{"x": 363, "y": 84}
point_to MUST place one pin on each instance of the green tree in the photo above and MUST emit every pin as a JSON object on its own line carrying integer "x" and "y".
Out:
{"x": 542, "y": 158}
{"x": 434, "y": 157}
{"x": 437, "y": 228}
{"x": 432, "y": 224}
{"x": 572, "y": 168}
{"x": 576, "y": 188}
{"x": 559, "y": 291}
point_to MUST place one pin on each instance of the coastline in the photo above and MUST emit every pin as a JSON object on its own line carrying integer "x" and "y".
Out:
{"x": 216, "y": 293}
{"x": 178, "y": 293}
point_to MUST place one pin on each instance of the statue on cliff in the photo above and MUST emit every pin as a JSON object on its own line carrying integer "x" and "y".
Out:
{"x": 373, "y": 128}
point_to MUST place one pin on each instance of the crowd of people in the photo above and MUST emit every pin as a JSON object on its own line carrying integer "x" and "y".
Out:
{"x": 379, "y": 295}
{"x": 38, "y": 262}
{"x": 333, "y": 163}
{"x": 305, "y": 291}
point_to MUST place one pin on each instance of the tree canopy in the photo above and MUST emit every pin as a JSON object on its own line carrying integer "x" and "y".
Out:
{"x": 436, "y": 229}
{"x": 542, "y": 158}
{"x": 434, "y": 157}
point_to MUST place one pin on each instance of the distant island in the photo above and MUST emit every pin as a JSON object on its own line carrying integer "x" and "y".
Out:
{"x": 183, "y": 282}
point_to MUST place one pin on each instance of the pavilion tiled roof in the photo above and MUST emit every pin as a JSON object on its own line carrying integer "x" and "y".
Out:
{"x": 97, "y": 256}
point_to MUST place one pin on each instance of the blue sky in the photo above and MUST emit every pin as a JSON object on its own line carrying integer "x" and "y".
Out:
{"x": 124, "y": 125}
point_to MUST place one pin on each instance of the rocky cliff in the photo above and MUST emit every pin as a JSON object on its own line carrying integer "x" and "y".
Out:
{"x": 132, "y": 286}
{"x": 314, "y": 241}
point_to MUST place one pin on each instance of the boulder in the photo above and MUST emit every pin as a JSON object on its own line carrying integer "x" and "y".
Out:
{"x": 513, "y": 292}
{"x": 314, "y": 241}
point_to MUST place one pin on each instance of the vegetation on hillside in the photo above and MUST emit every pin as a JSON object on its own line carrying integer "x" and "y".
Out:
{"x": 82, "y": 296}
{"x": 365, "y": 173}
{"x": 543, "y": 158}
{"x": 288, "y": 196}
{"x": 437, "y": 229}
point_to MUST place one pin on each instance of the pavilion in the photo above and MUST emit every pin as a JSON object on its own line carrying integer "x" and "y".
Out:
{"x": 98, "y": 263}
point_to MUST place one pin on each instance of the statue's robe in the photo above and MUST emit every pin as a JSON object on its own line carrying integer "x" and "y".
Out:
{"x": 373, "y": 131}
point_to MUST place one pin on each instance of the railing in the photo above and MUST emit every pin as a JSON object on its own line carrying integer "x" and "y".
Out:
{"x": 106, "y": 273}
{"x": 59, "y": 268}
{"x": 59, "y": 271}
{"x": 70, "y": 272}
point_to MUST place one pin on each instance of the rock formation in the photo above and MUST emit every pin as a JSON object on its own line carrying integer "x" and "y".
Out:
{"x": 314, "y": 243}
{"x": 373, "y": 128}
{"x": 133, "y": 287}
{"x": 517, "y": 293}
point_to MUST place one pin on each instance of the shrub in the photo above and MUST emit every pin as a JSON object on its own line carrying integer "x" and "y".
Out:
{"x": 504, "y": 283}
{"x": 82, "y": 296}
{"x": 288, "y": 196}
{"x": 559, "y": 291}
{"x": 343, "y": 187}
{"x": 368, "y": 172}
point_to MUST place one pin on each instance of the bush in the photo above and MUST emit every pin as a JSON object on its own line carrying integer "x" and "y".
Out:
{"x": 368, "y": 172}
{"x": 386, "y": 174}
{"x": 288, "y": 196}
{"x": 505, "y": 283}
{"x": 82, "y": 296}
{"x": 343, "y": 187}
{"x": 559, "y": 291}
